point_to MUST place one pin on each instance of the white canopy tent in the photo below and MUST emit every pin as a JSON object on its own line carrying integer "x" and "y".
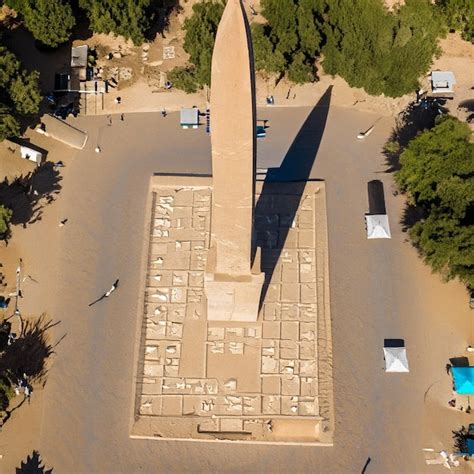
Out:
{"x": 377, "y": 226}
{"x": 396, "y": 359}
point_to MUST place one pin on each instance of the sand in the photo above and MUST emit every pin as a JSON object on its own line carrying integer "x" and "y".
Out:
{"x": 379, "y": 289}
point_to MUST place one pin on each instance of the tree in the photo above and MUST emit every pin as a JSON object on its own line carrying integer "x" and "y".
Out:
{"x": 183, "y": 78}
{"x": 290, "y": 40}
{"x": 25, "y": 94}
{"x": 5, "y": 217}
{"x": 49, "y": 21}
{"x": 459, "y": 16}
{"x": 9, "y": 126}
{"x": 128, "y": 18}
{"x": 437, "y": 173}
{"x": 19, "y": 94}
{"x": 380, "y": 51}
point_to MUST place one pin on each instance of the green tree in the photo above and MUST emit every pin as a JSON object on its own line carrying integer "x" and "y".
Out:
{"x": 459, "y": 16}
{"x": 183, "y": 78}
{"x": 5, "y": 217}
{"x": 290, "y": 40}
{"x": 437, "y": 173}
{"x": 25, "y": 93}
{"x": 19, "y": 93}
{"x": 9, "y": 126}
{"x": 49, "y": 21}
{"x": 128, "y": 18}
{"x": 380, "y": 51}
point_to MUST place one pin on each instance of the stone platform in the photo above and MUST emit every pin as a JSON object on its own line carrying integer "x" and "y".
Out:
{"x": 269, "y": 381}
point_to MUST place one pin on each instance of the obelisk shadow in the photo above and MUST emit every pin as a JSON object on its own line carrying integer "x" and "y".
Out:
{"x": 273, "y": 225}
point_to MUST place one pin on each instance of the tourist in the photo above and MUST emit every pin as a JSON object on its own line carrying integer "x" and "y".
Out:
{"x": 122, "y": 117}
{"x": 97, "y": 149}
{"x": 63, "y": 222}
{"x": 114, "y": 287}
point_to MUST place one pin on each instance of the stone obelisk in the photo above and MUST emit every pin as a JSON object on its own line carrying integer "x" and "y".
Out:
{"x": 233, "y": 283}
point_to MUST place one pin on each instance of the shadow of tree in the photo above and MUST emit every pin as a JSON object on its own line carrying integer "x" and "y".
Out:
{"x": 28, "y": 354}
{"x": 460, "y": 439}
{"x": 411, "y": 215}
{"x": 33, "y": 465}
{"x": 409, "y": 123}
{"x": 160, "y": 12}
{"x": 24, "y": 194}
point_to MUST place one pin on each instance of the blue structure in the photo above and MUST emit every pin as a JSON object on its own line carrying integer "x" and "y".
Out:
{"x": 463, "y": 378}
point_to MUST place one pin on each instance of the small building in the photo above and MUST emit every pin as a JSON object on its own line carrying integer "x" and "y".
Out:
{"x": 377, "y": 226}
{"x": 442, "y": 83}
{"x": 30, "y": 154}
{"x": 189, "y": 118}
{"x": 79, "y": 61}
{"x": 59, "y": 130}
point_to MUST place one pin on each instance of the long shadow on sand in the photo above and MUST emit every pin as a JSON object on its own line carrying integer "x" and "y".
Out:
{"x": 24, "y": 194}
{"x": 295, "y": 168}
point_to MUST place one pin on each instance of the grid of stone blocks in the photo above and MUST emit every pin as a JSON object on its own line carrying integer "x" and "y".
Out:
{"x": 283, "y": 341}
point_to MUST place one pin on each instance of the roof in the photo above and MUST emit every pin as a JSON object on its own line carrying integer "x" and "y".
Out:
{"x": 396, "y": 359}
{"x": 79, "y": 56}
{"x": 64, "y": 132}
{"x": 377, "y": 226}
{"x": 189, "y": 116}
{"x": 442, "y": 81}
{"x": 463, "y": 378}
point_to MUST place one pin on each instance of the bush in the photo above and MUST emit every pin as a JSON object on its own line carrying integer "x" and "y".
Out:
{"x": 437, "y": 173}
{"x": 290, "y": 40}
{"x": 5, "y": 217}
{"x": 49, "y": 21}
{"x": 183, "y": 78}
{"x": 19, "y": 94}
{"x": 459, "y": 16}
{"x": 128, "y": 18}
{"x": 382, "y": 52}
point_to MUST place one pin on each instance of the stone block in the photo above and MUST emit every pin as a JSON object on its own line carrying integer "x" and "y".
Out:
{"x": 269, "y": 365}
{"x": 307, "y": 331}
{"x": 308, "y": 368}
{"x": 289, "y": 405}
{"x": 290, "y": 330}
{"x": 231, "y": 425}
{"x": 307, "y": 350}
{"x": 271, "y": 385}
{"x": 288, "y": 350}
{"x": 271, "y": 330}
{"x": 271, "y": 405}
{"x": 308, "y": 292}
{"x": 290, "y": 292}
{"x": 290, "y": 385}
{"x": 289, "y": 273}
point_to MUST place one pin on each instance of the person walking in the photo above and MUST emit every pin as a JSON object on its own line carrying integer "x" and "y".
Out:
{"x": 63, "y": 222}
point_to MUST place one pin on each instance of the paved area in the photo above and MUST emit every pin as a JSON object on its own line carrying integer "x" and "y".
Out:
{"x": 378, "y": 289}
{"x": 251, "y": 381}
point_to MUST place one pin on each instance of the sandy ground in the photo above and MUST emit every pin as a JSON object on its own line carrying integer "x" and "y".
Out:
{"x": 379, "y": 289}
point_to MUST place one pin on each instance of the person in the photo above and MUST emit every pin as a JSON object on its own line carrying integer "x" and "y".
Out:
{"x": 122, "y": 117}
{"x": 58, "y": 164}
{"x": 114, "y": 287}
{"x": 163, "y": 113}
{"x": 452, "y": 403}
{"x": 97, "y": 149}
{"x": 63, "y": 222}
{"x": 448, "y": 368}
{"x": 109, "y": 118}
{"x": 118, "y": 100}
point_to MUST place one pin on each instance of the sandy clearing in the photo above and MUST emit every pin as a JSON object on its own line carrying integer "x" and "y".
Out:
{"x": 378, "y": 289}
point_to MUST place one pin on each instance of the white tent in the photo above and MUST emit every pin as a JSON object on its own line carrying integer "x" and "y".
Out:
{"x": 396, "y": 359}
{"x": 377, "y": 226}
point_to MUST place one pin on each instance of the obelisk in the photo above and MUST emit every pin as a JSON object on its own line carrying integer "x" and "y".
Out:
{"x": 233, "y": 283}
